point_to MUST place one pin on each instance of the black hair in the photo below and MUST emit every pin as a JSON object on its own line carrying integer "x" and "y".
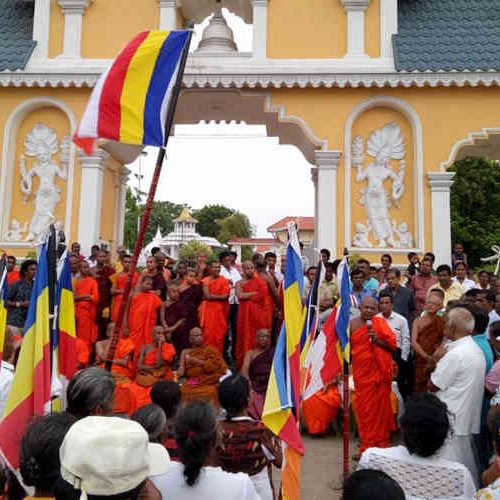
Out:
{"x": 12, "y": 257}
{"x": 442, "y": 268}
{"x": 311, "y": 268}
{"x": 234, "y": 254}
{"x": 329, "y": 265}
{"x": 167, "y": 395}
{"x": 270, "y": 254}
{"x": 153, "y": 420}
{"x": 473, "y": 292}
{"x": 372, "y": 484}
{"x": 223, "y": 255}
{"x": 489, "y": 294}
{"x": 195, "y": 433}
{"x": 386, "y": 293}
{"x": 430, "y": 256}
{"x": 481, "y": 318}
{"x": 394, "y": 270}
{"x": 459, "y": 263}
{"x": 39, "y": 454}
{"x": 483, "y": 272}
{"x": 93, "y": 247}
{"x": 425, "y": 424}
{"x": 25, "y": 265}
{"x": 387, "y": 256}
{"x": 326, "y": 252}
{"x": 411, "y": 254}
{"x": 363, "y": 261}
{"x": 356, "y": 271}
{"x": 233, "y": 394}
{"x": 373, "y": 268}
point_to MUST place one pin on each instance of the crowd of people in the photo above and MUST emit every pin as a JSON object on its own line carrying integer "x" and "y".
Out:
{"x": 192, "y": 365}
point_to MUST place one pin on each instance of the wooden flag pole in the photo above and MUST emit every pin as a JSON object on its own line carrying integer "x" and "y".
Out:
{"x": 148, "y": 207}
{"x": 345, "y": 426}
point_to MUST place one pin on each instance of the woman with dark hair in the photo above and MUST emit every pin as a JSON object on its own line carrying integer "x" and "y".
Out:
{"x": 372, "y": 484}
{"x": 416, "y": 466}
{"x": 246, "y": 445}
{"x": 196, "y": 477}
{"x": 39, "y": 461}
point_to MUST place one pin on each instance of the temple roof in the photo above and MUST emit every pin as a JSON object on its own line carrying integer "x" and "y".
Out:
{"x": 448, "y": 35}
{"x": 185, "y": 216}
{"x": 16, "y": 28}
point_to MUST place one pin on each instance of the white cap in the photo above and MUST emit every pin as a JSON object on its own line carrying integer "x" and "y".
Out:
{"x": 109, "y": 455}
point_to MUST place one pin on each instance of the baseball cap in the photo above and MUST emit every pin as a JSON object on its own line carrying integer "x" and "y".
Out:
{"x": 109, "y": 455}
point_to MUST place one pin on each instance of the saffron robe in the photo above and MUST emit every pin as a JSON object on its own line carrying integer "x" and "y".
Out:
{"x": 167, "y": 354}
{"x": 124, "y": 348}
{"x": 142, "y": 318}
{"x": 12, "y": 276}
{"x": 202, "y": 381}
{"x": 267, "y": 309}
{"x": 86, "y": 310}
{"x": 259, "y": 371}
{"x": 320, "y": 409}
{"x": 372, "y": 370}
{"x": 174, "y": 312}
{"x": 119, "y": 281}
{"x": 214, "y": 313}
{"x": 250, "y": 317}
{"x": 430, "y": 337}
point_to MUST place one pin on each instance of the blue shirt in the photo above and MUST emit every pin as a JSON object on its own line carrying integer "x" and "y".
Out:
{"x": 482, "y": 341}
{"x": 372, "y": 284}
{"x": 357, "y": 297}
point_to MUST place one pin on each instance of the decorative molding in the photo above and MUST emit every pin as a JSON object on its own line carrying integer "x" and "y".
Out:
{"x": 440, "y": 182}
{"x": 328, "y": 160}
{"x": 74, "y": 6}
{"x": 355, "y": 5}
{"x": 8, "y": 159}
{"x": 417, "y": 163}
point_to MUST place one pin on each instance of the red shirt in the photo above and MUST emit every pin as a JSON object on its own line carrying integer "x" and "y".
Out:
{"x": 12, "y": 276}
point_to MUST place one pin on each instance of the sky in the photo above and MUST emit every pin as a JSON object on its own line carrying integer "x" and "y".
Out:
{"x": 235, "y": 165}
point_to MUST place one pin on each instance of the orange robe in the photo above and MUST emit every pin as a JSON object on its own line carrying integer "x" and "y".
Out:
{"x": 82, "y": 353}
{"x": 320, "y": 409}
{"x": 86, "y": 310}
{"x": 124, "y": 348}
{"x": 202, "y": 381}
{"x": 214, "y": 313}
{"x": 142, "y": 318}
{"x": 167, "y": 354}
{"x": 372, "y": 370}
{"x": 119, "y": 281}
{"x": 268, "y": 309}
{"x": 12, "y": 276}
{"x": 250, "y": 317}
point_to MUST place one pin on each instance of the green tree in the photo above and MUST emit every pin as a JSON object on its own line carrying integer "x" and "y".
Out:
{"x": 190, "y": 251}
{"x": 236, "y": 225}
{"x": 475, "y": 206}
{"x": 209, "y": 218}
{"x": 132, "y": 214}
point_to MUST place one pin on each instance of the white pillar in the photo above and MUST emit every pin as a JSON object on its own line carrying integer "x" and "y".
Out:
{"x": 260, "y": 16}
{"x": 355, "y": 26}
{"x": 73, "y": 16}
{"x": 326, "y": 199}
{"x": 168, "y": 14}
{"x": 388, "y": 26}
{"x": 41, "y": 25}
{"x": 89, "y": 218}
{"x": 440, "y": 184}
{"x": 120, "y": 205}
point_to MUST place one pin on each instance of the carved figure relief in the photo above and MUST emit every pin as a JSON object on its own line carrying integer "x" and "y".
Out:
{"x": 16, "y": 231}
{"x": 42, "y": 143}
{"x": 383, "y": 145}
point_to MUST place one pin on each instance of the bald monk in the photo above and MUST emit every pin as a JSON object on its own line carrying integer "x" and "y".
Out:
{"x": 426, "y": 336}
{"x": 372, "y": 345}
{"x": 203, "y": 366}
{"x": 251, "y": 291}
{"x": 118, "y": 281}
{"x": 86, "y": 300}
{"x": 143, "y": 314}
{"x": 214, "y": 309}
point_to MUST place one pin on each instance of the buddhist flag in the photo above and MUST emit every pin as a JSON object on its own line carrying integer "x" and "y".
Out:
{"x": 282, "y": 401}
{"x": 30, "y": 392}
{"x": 3, "y": 303}
{"x": 131, "y": 100}
{"x": 343, "y": 309}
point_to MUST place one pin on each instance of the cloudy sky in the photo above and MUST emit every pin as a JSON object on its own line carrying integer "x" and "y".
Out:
{"x": 234, "y": 165}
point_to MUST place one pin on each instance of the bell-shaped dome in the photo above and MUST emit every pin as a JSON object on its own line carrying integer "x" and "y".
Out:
{"x": 217, "y": 36}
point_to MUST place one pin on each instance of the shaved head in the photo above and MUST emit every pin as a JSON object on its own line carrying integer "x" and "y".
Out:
{"x": 368, "y": 308}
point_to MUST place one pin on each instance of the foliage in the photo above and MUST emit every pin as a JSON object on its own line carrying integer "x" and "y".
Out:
{"x": 209, "y": 217}
{"x": 236, "y": 225}
{"x": 475, "y": 207}
{"x": 190, "y": 251}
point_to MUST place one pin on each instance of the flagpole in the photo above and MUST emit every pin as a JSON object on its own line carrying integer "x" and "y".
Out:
{"x": 345, "y": 426}
{"x": 148, "y": 207}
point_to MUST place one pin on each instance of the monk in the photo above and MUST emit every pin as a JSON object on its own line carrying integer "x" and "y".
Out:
{"x": 191, "y": 295}
{"x": 118, "y": 281}
{"x": 86, "y": 300}
{"x": 203, "y": 366}
{"x": 102, "y": 273}
{"x": 181, "y": 274}
{"x": 256, "y": 367}
{"x": 143, "y": 314}
{"x": 173, "y": 315}
{"x": 426, "y": 336}
{"x": 215, "y": 307}
{"x": 372, "y": 345}
{"x": 251, "y": 292}
{"x": 270, "y": 297}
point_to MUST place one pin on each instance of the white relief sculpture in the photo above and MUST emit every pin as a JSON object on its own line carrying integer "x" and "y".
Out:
{"x": 405, "y": 238}
{"x": 361, "y": 236}
{"x": 16, "y": 231}
{"x": 42, "y": 143}
{"x": 383, "y": 145}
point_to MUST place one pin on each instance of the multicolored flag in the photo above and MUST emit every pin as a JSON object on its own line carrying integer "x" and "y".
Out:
{"x": 30, "y": 391}
{"x": 131, "y": 100}
{"x": 281, "y": 407}
{"x": 3, "y": 303}
{"x": 343, "y": 308}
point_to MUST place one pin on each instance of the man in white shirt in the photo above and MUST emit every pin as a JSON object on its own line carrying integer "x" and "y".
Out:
{"x": 399, "y": 326}
{"x": 458, "y": 381}
{"x": 7, "y": 370}
{"x": 233, "y": 276}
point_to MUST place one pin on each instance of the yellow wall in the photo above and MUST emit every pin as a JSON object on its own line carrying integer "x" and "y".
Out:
{"x": 306, "y": 29}
{"x": 56, "y": 33}
{"x": 106, "y": 28}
